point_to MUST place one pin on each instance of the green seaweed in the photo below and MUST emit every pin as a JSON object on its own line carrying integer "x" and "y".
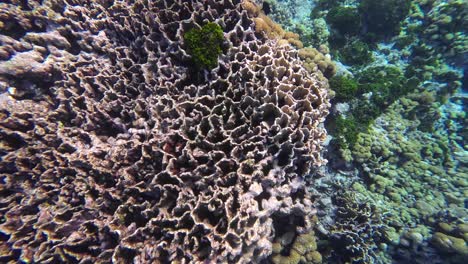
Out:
{"x": 344, "y": 87}
{"x": 355, "y": 53}
{"x": 205, "y": 45}
{"x": 374, "y": 90}
{"x": 386, "y": 83}
{"x": 383, "y": 18}
{"x": 366, "y": 112}
{"x": 346, "y": 20}
{"x": 346, "y": 131}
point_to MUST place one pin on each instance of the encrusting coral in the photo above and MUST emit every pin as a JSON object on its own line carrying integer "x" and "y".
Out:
{"x": 113, "y": 149}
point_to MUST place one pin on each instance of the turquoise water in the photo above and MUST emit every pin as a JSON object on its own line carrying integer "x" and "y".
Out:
{"x": 270, "y": 131}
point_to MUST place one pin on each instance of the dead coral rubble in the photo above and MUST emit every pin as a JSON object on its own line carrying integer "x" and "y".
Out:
{"x": 113, "y": 149}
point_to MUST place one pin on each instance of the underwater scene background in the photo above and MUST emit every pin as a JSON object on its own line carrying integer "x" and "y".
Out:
{"x": 229, "y": 131}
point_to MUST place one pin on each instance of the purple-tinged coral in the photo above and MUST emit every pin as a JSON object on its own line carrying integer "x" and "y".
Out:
{"x": 118, "y": 151}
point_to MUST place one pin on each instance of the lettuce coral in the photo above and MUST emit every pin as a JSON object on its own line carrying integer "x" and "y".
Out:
{"x": 122, "y": 153}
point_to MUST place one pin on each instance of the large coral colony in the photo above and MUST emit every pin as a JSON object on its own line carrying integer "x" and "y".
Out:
{"x": 159, "y": 131}
{"x": 174, "y": 131}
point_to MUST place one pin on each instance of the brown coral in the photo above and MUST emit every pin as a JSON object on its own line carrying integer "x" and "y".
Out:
{"x": 252, "y": 8}
{"x": 265, "y": 25}
{"x": 121, "y": 152}
{"x": 315, "y": 60}
{"x": 299, "y": 249}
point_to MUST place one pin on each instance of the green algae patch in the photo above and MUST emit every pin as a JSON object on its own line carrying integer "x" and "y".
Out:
{"x": 356, "y": 53}
{"x": 205, "y": 45}
{"x": 346, "y": 131}
{"x": 345, "y": 20}
{"x": 344, "y": 87}
{"x": 383, "y": 18}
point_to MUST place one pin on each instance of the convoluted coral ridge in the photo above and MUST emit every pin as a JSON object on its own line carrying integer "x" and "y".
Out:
{"x": 114, "y": 148}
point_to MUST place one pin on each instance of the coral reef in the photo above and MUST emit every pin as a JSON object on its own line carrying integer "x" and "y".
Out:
{"x": 435, "y": 38}
{"x": 355, "y": 52}
{"x": 383, "y": 18}
{"x": 294, "y": 15}
{"x": 298, "y": 249}
{"x": 318, "y": 60}
{"x": 420, "y": 179}
{"x": 319, "y": 33}
{"x": 345, "y": 130}
{"x": 345, "y": 87}
{"x": 399, "y": 132}
{"x": 344, "y": 19}
{"x": 265, "y": 25}
{"x": 439, "y": 27}
{"x": 358, "y": 231}
{"x": 450, "y": 243}
{"x": 113, "y": 149}
{"x": 386, "y": 83}
{"x": 193, "y": 131}
{"x": 314, "y": 59}
{"x": 366, "y": 97}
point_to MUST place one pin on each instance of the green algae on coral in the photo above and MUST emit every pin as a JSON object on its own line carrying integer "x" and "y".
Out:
{"x": 346, "y": 20}
{"x": 382, "y": 18}
{"x": 355, "y": 53}
{"x": 346, "y": 131}
{"x": 345, "y": 87}
{"x": 205, "y": 45}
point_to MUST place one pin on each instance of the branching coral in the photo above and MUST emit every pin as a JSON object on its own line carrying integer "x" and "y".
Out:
{"x": 359, "y": 229}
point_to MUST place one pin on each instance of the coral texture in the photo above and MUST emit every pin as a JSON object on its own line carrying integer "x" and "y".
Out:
{"x": 315, "y": 60}
{"x": 358, "y": 230}
{"x": 265, "y": 25}
{"x": 292, "y": 249}
{"x": 114, "y": 149}
{"x": 422, "y": 181}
